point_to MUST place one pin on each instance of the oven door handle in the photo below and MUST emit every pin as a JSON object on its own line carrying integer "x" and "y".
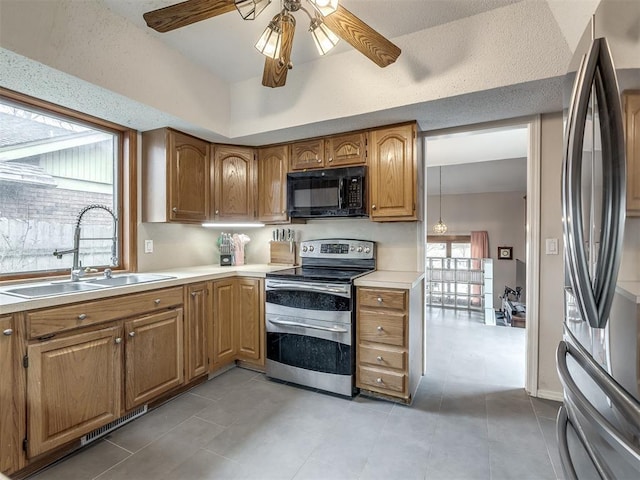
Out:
{"x": 304, "y": 325}
{"x": 306, "y": 287}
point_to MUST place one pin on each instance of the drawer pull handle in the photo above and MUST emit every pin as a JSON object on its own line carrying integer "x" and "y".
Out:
{"x": 8, "y": 332}
{"x": 157, "y": 301}
{"x": 379, "y": 358}
{"x": 379, "y": 299}
{"x": 379, "y": 380}
{"x": 380, "y": 329}
{"x": 132, "y": 334}
{"x": 118, "y": 340}
{"x": 82, "y": 316}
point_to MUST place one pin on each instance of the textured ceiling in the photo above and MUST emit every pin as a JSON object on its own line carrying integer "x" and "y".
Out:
{"x": 224, "y": 44}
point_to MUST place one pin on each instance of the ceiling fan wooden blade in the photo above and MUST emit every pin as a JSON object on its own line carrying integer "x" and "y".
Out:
{"x": 275, "y": 69}
{"x": 362, "y": 37}
{"x": 185, "y": 13}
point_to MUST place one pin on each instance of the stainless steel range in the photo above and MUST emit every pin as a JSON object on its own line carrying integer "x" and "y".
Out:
{"x": 310, "y": 315}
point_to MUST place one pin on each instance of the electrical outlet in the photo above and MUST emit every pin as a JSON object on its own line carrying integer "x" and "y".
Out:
{"x": 148, "y": 246}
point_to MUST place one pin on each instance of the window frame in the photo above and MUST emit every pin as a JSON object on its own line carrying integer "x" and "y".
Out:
{"x": 127, "y": 209}
{"x": 448, "y": 240}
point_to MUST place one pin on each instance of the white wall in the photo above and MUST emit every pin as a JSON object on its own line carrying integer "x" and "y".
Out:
{"x": 502, "y": 215}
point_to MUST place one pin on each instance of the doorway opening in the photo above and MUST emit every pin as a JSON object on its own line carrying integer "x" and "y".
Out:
{"x": 480, "y": 184}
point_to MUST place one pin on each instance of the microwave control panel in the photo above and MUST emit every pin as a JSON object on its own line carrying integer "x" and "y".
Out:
{"x": 354, "y": 192}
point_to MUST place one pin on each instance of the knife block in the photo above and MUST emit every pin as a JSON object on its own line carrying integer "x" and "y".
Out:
{"x": 283, "y": 253}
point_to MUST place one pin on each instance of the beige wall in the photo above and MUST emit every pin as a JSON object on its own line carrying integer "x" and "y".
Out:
{"x": 502, "y": 215}
{"x": 551, "y": 310}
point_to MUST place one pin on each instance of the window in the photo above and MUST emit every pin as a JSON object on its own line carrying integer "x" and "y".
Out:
{"x": 449, "y": 246}
{"x": 58, "y": 172}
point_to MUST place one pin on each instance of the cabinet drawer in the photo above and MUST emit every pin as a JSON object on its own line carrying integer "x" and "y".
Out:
{"x": 382, "y": 298}
{"x": 59, "y": 319}
{"x": 383, "y": 357}
{"x": 382, "y": 327}
{"x": 381, "y": 380}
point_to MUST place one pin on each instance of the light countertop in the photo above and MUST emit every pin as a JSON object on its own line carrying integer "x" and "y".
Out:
{"x": 390, "y": 279}
{"x": 184, "y": 275}
{"x": 11, "y": 304}
{"x": 631, "y": 290}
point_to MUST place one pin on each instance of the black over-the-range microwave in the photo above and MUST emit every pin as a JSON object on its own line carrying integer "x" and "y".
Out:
{"x": 334, "y": 192}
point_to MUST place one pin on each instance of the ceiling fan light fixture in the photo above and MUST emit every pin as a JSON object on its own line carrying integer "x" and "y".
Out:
{"x": 324, "y": 38}
{"x": 325, "y": 7}
{"x": 271, "y": 39}
{"x": 250, "y": 9}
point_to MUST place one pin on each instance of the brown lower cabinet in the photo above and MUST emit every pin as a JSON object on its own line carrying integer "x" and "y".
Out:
{"x": 389, "y": 337}
{"x": 12, "y": 391}
{"x": 238, "y": 322}
{"x": 73, "y": 386}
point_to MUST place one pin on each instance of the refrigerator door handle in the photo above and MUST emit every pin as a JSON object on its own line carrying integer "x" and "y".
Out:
{"x": 594, "y": 290}
{"x": 579, "y": 407}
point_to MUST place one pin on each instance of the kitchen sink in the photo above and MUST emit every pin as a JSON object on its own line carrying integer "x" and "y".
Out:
{"x": 128, "y": 279}
{"x": 60, "y": 288}
{"x": 50, "y": 289}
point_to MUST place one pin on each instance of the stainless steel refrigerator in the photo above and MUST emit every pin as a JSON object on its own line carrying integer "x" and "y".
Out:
{"x": 598, "y": 360}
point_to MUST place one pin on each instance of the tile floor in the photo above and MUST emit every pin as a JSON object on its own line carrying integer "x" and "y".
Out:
{"x": 471, "y": 419}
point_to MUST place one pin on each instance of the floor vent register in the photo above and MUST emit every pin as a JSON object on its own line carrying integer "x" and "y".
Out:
{"x": 109, "y": 427}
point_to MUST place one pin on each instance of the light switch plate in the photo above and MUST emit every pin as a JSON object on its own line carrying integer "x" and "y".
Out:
{"x": 551, "y": 246}
{"x": 148, "y": 246}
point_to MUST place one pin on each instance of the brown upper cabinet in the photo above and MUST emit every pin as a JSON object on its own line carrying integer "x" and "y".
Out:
{"x": 345, "y": 150}
{"x": 273, "y": 165}
{"x": 393, "y": 173}
{"x": 307, "y": 155}
{"x": 234, "y": 183}
{"x": 632, "y": 117}
{"x": 175, "y": 177}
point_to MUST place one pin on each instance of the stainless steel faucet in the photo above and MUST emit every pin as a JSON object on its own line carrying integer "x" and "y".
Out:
{"x": 76, "y": 269}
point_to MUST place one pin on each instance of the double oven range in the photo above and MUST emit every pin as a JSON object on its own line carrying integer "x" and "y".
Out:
{"x": 310, "y": 315}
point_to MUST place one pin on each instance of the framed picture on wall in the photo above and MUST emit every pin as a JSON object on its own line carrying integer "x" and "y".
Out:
{"x": 505, "y": 253}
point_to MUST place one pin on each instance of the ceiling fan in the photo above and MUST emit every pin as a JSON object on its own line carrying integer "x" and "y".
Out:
{"x": 329, "y": 21}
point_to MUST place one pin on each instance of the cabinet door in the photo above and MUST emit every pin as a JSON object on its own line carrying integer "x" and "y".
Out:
{"x": 393, "y": 173}
{"x": 154, "y": 356}
{"x": 632, "y": 112}
{"x": 11, "y": 398}
{"x": 249, "y": 317}
{"x": 344, "y": 150}
{"x": 273, "y": 165}
{"x": 188, "y": 178}
{"x": 197, "y": 318}
{"x": 74, "y": 386}
{"x": 224, "y": 345}
{"x": 305, "y": 155}
{"x": 234, "y": 183}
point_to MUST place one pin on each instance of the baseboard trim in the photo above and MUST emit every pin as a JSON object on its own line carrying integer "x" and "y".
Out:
{"x": 550, "y": 395}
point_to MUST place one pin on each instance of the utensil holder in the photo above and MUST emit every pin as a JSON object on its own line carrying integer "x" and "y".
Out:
{"x": 283, "y": 253}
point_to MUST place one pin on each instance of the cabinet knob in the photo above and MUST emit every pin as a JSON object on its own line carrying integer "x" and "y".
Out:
{"x": 8, "y": 332}
{"x": 118, "y": 340}
{"x": 217, "y": 212}
{"x": 379, "y": 299}
{"x": 174, "y": 209}
{"x": 82, "y": 316}
{"x": 157, "y": 301}
{"x": 330, "y": 159}
{"x": 319, "y": 160}
{"x": 379, "y": 380}
{"x": 380, "y": 329}
{"x": 379, "y": 358}
{"x": 132, "y": 334}
{"x": 193, "y": 294}
{"x": 373, "y": 207}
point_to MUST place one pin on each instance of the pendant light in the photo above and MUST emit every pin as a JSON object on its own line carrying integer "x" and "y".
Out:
{"x": 440, "y": 228}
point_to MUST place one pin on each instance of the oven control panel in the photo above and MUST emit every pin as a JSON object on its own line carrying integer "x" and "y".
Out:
{"x": 337, "y": 248}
